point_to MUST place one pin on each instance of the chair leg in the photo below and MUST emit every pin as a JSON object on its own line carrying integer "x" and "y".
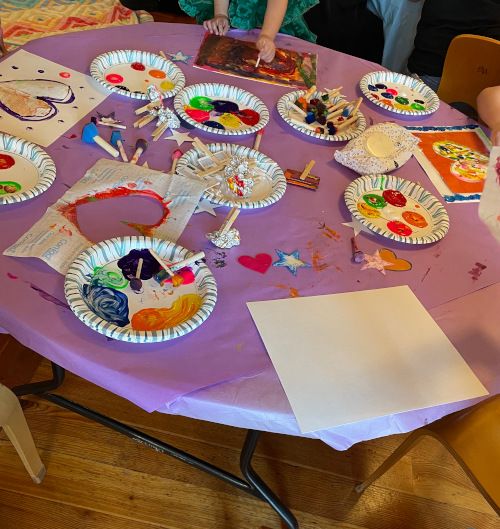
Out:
{"x": 402, "y": 449}
{"x": 12, "y": 420}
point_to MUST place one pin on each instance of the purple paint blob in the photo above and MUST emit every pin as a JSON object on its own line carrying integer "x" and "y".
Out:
{"x": 225, "y": 106}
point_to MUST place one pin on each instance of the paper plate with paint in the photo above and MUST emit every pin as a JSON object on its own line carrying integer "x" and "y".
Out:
{"x": 130, "y": 72}
{"x": 399, "y": 93}
{"x": 26, "y": 170}
{"x": 396, "y": 208}
{"x": 296, "y": 118}
{"x": 221, "y": 109}
{"x": 236, "y": 176}
{"x": 118, "y": 288}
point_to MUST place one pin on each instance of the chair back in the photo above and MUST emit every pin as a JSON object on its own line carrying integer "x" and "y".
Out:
{"x": 472, "y": 63}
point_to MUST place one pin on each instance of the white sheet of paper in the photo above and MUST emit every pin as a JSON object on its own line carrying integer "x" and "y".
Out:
{"x": 23, "y": 65}
{"x": 344, "y": 358}
{"x": 489, "y": 206}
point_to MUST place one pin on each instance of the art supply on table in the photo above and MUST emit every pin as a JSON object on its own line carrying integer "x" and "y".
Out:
{"x": 258, "y": 139}
{"x": 362, "y": 355}
{"x": 455, "y": 159}
{"x": 110, "y": 121}
{"x": 160, "y": 261}
{"x": 135, "y": 282}
{"x": 117, "y": 142}
{"x": 90, "y": 135}
{"x": 175, "y": 158}
{"x": 357, "y": 255}
{"x": 43, "y": 108}
{"x": 226, "y": 236}
{"x": 303, "y": 179}
{"x": 240, "y": 58}
{"x": 167, "y": 270}
{"x": 489, "y": 207}
{"x": 141, "y": 146}
{"x": 379, "y": 149}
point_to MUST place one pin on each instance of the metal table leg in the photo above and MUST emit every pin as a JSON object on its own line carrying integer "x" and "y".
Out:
{"x": 252, "y": 484}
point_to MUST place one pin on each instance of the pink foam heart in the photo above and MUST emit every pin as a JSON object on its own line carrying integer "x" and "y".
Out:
{"x": 260, "y": 263}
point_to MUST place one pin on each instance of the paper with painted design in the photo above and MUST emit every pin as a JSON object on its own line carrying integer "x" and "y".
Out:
{"x": 238, "y": 58}
{"x": 57, "y": 238}
{"x": 40, "y": 100}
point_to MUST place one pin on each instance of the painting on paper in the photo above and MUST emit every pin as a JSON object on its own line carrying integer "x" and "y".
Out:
{"x": 238, "y": 58}
{"x": 455, "y": 159}
{"x": 40, "y": 100}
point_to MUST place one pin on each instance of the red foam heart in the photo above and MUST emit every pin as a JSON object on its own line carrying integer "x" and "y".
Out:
{"x": 260, "y": 263}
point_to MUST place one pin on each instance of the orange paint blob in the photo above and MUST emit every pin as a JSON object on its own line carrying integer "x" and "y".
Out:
{"x": 182, "y": 309}
{"x": 157, "y": 74}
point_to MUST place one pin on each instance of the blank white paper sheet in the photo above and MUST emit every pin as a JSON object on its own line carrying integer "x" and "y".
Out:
{"x": 344, "y": 358}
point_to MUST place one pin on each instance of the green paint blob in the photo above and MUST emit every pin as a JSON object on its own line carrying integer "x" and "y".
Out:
{"x": 201, "y": 103}
{"x": 108, "y": 278}
{"x": 375, "y": 201}
{"x": 417, "y": 106}
{"x": 402, "y": 100}
{"x": 7, "y": 188}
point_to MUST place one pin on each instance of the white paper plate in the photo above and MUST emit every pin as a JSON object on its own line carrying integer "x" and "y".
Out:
{"x": 101, "y": 297}
{"x": 221, "y": 94}
{"x": 421, "y": 220}
{"x": 26, "y": 170}
{"x": 399, "y": 93}
{"x": 265, "y": 192}
{"x": 130, "y": 72}
{"x": 286, "y": 102}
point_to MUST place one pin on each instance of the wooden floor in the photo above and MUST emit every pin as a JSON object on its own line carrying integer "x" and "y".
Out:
{"x": 98, "y": 479}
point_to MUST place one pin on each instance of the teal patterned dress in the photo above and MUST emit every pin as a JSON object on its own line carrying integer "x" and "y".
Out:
{"x": 249, "y": 14}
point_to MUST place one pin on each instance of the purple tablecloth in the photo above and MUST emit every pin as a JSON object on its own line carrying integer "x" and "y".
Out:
{"x": 227, "y": 347}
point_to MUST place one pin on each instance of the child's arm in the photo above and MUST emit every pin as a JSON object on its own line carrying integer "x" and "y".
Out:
{"x": 220, "y": 23}
{"x": 275, "y": 13}
{"x": 488, "y": 105}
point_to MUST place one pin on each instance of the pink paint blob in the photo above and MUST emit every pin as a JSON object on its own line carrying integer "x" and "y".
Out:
{"x": 138, "y": 66}
{"x": 114, "y": 78}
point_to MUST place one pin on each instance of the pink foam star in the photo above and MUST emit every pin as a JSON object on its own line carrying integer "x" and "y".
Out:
{"x": 375, "y": 261}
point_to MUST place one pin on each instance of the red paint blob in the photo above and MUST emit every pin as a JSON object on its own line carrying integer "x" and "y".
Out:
{"x": 399, "y": 228}
{"x": 64, "y": 75}
{"x": 138, "y": 66}
{"x": 249, "y": 116}
{"x": 114, "y": 78}
{"x": 392, "y": 91}
{"x": 394, "y": 197}
{"x": 198, "y": 115}
{"x": 6, "y": 161}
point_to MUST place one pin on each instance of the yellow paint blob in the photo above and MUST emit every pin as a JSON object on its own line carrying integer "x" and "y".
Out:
{"x": 367, "y": 211}
{"x": 182, "y": 309}
{"x": 166, "y": 85}
{"x": 229, "y": 121}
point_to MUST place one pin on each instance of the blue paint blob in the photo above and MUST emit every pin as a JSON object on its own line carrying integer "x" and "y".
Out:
{"x": 107, "y": 303}
{"x": 310, "y": 117}
{"x": 372, "y": 88}
{"x": 214, "y": 125}
{"x": 387, "y": 95}
{"x": 225, "y": 106}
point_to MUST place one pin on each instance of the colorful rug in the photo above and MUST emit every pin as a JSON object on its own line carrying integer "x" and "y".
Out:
{"x": 25, "y": 20}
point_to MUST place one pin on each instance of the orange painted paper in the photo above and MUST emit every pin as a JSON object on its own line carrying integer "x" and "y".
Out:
{"x": 468, "y": 138}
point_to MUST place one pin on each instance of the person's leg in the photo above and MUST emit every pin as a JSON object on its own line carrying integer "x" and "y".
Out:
{"x": 400, "y": 19}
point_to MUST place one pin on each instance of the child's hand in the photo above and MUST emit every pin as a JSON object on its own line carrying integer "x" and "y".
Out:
{"x": 266, "y": 47}
{"x": 219, "y": 25}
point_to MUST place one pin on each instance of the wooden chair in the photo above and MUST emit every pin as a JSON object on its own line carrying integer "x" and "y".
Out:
{"x": 472, "y": 436}
{"x": 14, "y": 424}
{"x": 472, "y": 63}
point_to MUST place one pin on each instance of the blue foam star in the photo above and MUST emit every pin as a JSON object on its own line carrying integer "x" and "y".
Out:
{"x": 179, "y": 56}
{"x": 291, "y": 261}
